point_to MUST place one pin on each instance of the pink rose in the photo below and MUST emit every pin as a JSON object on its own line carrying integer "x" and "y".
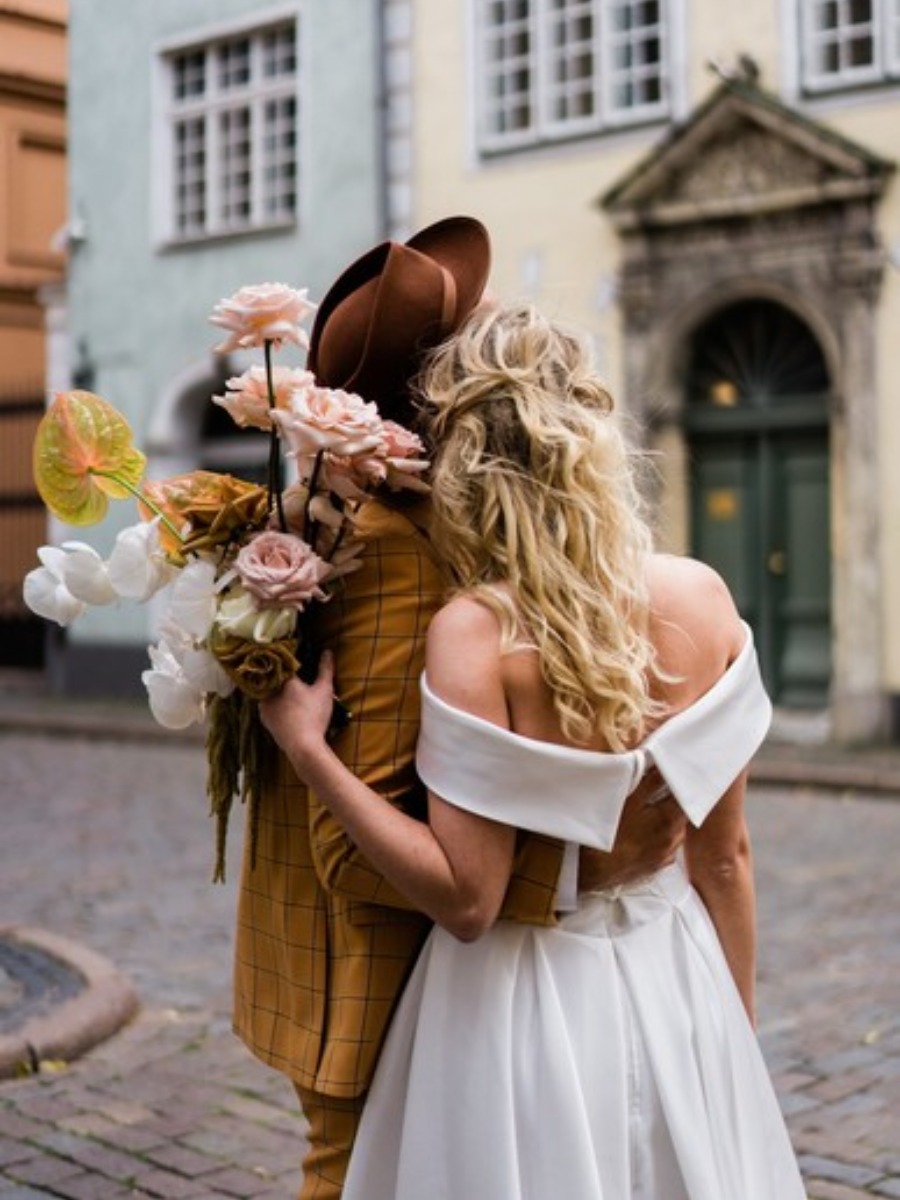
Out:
{"x": 247, "y": 397}
{"x": 404, "y": 462}
{"x": 294, "y": 499}
{"x": 401, "y": 442}
{"x": 264, "y": 312}
{"x": 396, "y": 461}
{"x": 352, "y": 477}
{"x": 329, "y": 419}
{"x": 279, "y": 569}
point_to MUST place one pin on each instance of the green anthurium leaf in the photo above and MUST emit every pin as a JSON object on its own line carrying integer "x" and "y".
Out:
{"x": 84, "y": 454}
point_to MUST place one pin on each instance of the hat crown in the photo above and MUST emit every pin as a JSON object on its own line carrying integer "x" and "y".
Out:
{"x": 393, "y": 304}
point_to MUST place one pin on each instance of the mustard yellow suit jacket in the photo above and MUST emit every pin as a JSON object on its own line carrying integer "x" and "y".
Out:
{"x": 324, "y": 943}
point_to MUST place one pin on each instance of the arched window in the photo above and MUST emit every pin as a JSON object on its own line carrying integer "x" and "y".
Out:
{"x": 223, "y": 445}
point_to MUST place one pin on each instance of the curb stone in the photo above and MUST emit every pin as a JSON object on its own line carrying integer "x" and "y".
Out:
{"x": 105, "y": 1003}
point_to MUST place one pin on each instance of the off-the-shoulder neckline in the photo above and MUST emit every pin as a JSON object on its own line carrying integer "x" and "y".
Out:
{"x": 522, "y": 740}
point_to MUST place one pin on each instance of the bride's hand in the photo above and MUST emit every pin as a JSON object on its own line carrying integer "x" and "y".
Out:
{"x": 299, "y": 715}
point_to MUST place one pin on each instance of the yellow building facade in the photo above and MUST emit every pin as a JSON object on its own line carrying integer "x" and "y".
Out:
{"x": 709, "y": 191}
{"x": 32, "y": 216}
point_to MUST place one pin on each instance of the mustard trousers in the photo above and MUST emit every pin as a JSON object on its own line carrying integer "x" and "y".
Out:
{"x": 332, "y": 1128}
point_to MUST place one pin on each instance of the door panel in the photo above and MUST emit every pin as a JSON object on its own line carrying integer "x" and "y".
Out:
{"x": 803, "y": 617}
{"x": 760, "y": 518}
{"x": 725, "y": 499}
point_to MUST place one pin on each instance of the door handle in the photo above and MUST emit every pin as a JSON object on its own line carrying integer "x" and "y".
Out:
{"x": 777, "y": 563}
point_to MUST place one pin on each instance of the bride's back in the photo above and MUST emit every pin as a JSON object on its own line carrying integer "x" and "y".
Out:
{"x": 695, "y": 631}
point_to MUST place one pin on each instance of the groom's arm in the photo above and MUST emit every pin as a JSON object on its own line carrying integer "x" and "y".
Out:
{"x": 376, "y": 626}
{"x": 648, "y": 838}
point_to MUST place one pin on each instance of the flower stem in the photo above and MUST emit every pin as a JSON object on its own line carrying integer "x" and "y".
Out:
{"x": 309, "y": 525}
{"x": 138, "y": 495}
{"x": 275, "y": 499}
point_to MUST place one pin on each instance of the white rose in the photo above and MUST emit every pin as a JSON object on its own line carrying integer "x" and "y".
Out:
{"x": 239, "y": 617}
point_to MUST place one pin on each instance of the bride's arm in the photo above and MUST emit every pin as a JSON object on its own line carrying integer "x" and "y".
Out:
{"x": 457, "y": 867}
{"x": 719, "y": 864}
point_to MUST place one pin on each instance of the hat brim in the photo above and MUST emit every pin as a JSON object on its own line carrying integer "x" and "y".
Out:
{"x": 460, "y": 245}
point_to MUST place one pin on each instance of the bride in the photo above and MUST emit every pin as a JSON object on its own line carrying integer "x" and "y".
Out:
{"x": 611, "y": 1056}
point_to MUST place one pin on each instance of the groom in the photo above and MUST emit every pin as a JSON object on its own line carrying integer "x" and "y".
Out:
{"x": 324, "y": 944}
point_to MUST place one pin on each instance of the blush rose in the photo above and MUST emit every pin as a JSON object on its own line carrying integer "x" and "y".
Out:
{"x": 260, "y": 313}
{"x": 246, "y": 399}
{"x": 329, "y": 419}
{"x": 279, "y": 569}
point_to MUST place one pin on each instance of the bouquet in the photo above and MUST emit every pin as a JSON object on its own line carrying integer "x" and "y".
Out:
{"x": 237, "y": 565}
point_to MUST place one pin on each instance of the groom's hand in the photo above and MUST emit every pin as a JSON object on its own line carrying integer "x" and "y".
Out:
{"x": 648, "y": 839}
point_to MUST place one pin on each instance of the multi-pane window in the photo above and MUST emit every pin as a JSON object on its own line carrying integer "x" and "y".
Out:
{"x": 549, "y": 69}
{"x": 233, "y": 123}
{"x": 849, "y": 42}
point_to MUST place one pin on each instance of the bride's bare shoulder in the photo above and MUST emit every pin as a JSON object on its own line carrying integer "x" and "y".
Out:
{"x": 463, "y": 658}
{"x": 671, "y": 574}
{"x": 465, "y": 616}
{"x": 691, "y": 604}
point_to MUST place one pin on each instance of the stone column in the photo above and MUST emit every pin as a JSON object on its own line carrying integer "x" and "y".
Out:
{"x": 859, "y": 707}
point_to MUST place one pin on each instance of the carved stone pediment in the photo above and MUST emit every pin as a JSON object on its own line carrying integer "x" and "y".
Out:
{"x": 742, "y": 152}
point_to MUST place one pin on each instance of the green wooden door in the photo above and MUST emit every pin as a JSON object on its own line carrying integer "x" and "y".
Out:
{"x": 760, "y": 517}
{"x": 759, "y": 458}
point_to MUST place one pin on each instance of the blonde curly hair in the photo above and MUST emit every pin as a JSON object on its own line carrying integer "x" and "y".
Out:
{"x": 537, "y": 513}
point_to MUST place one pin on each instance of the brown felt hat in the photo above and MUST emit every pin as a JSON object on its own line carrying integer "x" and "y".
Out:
{"x": 390, "y": 306}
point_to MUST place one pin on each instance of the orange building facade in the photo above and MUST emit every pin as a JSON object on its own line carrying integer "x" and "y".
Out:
{"x": 33, "y": 210}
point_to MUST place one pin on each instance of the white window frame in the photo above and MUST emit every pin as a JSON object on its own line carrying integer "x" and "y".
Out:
{"x": 884, "y": 29}
{"x": 253, "y": 96}
{"x": 546, "y": 127}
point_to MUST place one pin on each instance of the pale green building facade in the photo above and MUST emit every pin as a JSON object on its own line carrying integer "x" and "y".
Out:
{"x": 212, "y": 144}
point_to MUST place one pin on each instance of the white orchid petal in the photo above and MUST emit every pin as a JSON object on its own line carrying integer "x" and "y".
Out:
{"x": 193, "y": 605}
{"x": 137, "y": 568}
{"x": 84, "y": 574}
{"x": 48, "y": 598}
{"x": 174, "y": 702}
{"x": 53, "y": 558}
{"x": 205, "y": 672}
{"x": 162, "y": 659}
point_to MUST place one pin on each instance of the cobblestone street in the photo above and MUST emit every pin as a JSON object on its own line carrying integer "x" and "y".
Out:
{"x": 107, "y": 843}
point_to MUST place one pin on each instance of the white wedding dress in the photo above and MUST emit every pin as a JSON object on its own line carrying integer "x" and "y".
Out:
{"x": 610, "y": 1057}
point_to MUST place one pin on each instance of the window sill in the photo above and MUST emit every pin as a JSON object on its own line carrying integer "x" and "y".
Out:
{"x": 172, "y": 245}
{"x": 543, "y": 144}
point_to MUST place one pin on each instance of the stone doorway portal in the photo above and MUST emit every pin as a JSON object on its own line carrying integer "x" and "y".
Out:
{"x": 756, "y": 425}
{"x": 750, "y": 203}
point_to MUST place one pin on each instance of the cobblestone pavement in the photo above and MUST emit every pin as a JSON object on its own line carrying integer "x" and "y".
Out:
{"x": 106, "y": 842}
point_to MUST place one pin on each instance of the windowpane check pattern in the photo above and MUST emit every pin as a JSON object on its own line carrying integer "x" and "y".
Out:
{"x": 233, "y": 125}
{"x": 551, "y": 69}
{"x": 846, "y": 43}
